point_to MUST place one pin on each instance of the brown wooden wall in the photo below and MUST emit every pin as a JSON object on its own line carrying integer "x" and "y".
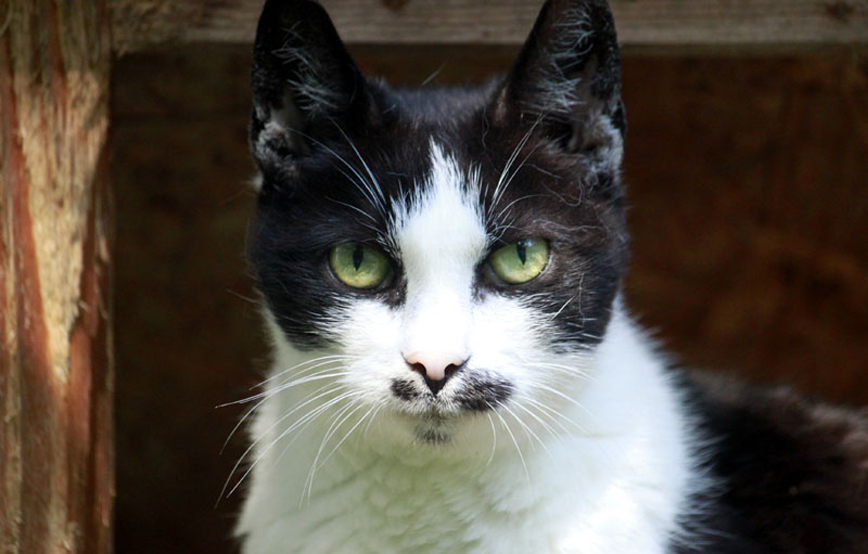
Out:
{"x": 746, "y": 178}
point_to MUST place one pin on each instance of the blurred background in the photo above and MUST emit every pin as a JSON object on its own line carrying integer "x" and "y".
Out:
{"x": 746, "y": 178}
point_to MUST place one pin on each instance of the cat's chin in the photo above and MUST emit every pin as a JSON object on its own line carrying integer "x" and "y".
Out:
{"x": 442, "y": 424}
{"x": 434, "y": 431}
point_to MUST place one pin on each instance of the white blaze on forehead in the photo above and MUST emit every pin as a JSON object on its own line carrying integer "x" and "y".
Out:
{"x": 441, "y": 238}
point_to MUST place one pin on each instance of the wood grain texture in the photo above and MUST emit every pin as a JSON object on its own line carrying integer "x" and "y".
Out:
{"x": 647, "y": 24}
{"x": 56, "y": 467}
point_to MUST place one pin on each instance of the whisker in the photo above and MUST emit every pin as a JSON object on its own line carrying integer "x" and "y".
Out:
{"x": 318, "y": 376}
{"x": 302, "y": 364}
{"x": 339, "y": 419}
{"x": 291, "y": 428}
{"x": 530, "y": 432}
{"x": 371, "y": 410}
{"x": 250, "y": 411}
{"x": 301, "y": 424}
{"x": 316, "y": 369}
{"x": 375, "y": 184}
{"x": 565, "y": 397}
{"x": 503, "y": 182}
{"x": 511, "y": 436}
{"x": 360, "y": 182}
{"x": 358, "y": 210}
{"x": 554, "y": 415}
{"x": 262, "y": 400}
{"x": 371, "y": 421}
{"x": 501, "y": 213}
{"x": 568, "y": 370}
{"x": 563, "y": 307}
{"x": 493, "y": 440}
{"x": 544, "y": 425}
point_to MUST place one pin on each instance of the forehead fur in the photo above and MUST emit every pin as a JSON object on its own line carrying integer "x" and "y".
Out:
{"x": 444, "y": 221}
{"x": 364, "y": 181}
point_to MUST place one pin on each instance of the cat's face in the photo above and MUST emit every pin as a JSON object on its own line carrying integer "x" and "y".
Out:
{"x": 456, "y": 250}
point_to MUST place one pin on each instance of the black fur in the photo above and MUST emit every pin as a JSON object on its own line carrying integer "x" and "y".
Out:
{"x": 404, "y": 389}
{"x": 481, "y": 393}
{"x": 792, "y": 474}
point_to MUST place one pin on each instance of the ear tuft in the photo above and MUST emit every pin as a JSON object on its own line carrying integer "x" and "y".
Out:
{"x": 305, "y": 84}
{"x": 567, "y": 78}
{"x": 310, "y": 69}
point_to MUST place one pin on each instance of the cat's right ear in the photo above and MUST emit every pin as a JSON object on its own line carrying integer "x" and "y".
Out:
{"x": 306, "y": 86}
{"x": 566, "y": 83}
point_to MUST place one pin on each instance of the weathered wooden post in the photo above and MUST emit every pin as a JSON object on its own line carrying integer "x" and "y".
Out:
{"x": 56, "y": 458}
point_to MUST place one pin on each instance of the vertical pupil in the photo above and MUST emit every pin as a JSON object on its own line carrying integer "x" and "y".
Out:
{"x": 521, "y": 250}
{"x": 358, "y": 256}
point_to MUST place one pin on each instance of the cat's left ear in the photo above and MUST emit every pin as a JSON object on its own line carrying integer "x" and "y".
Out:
{"x": 306, "y": 87}
{"x": 567, "y": 82}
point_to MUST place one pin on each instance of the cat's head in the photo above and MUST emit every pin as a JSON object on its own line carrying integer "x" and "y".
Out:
{"x": 458, "y": 250}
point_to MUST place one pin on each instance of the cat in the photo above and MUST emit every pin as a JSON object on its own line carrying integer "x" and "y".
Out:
{"x": 454, "y": 369}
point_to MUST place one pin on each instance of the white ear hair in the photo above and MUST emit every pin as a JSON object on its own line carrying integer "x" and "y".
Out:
{"x": 315, "y": 90}
{"x": 556, "y": 91}
{"x": 256, "y": 182}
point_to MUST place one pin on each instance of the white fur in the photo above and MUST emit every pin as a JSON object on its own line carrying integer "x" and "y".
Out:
{"x": 588, "y": 456}
{"x": 441, "y": 240}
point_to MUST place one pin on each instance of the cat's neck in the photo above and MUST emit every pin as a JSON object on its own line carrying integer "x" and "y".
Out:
{"x": 617, "y": 457}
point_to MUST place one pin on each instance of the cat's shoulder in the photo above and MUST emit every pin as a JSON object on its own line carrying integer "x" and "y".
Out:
{"x": 790, "y": 473}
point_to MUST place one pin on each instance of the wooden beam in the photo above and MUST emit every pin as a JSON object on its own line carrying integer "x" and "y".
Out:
{"x": 654, "y": 24}
{"x": 56, "y": 458}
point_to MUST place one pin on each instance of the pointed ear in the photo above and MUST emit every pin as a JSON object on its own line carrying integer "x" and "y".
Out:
{"x": 305, "y": 85}
{"x": 567, "y": 80}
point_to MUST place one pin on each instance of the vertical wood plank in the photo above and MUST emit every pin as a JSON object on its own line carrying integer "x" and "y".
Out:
{"x": 56, "y": 380}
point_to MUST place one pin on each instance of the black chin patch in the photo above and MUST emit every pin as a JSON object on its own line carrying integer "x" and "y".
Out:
{"x": 430, "y": 435}
{"x": 477, "y": 392}
{"x": 481, "y": 392}
{"x": 404, "y": 389}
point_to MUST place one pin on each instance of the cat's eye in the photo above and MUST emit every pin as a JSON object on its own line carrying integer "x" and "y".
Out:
{"x": 359, "y": 266}
{"x": 521, "y": 261}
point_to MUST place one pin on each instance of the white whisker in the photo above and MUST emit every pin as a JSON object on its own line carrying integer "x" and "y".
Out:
{"x": 511, "y": 436}
{"x": 318, "y": 376}
{"x": 530, "y": 432}
{"x": 493, "y": 440}
{"x": 339, "y": 419}
{"x": 551, "y": 431}
{"x": 302, "y": 364}
{"x": 374, "y": 183}
{"x": 504, "y": 180}
{"x": 301, "y": 421}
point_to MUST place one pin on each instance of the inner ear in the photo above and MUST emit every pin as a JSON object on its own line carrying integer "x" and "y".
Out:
{"x": 567, "y": 78}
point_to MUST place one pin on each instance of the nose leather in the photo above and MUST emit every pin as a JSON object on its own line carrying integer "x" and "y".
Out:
{"x": 435, "y": 368}
{"x": 434, "y": 365}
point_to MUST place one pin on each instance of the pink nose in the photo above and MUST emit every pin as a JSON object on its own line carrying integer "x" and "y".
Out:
{"x": 436, "y": 368}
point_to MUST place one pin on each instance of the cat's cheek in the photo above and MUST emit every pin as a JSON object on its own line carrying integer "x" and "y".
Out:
{"x": 505, "y": 335}
{"x": 369, "y": 331}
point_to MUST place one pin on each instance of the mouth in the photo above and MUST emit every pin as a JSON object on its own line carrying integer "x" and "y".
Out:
{"x": 475, "y": 393}
{"x": 435, "y": 418}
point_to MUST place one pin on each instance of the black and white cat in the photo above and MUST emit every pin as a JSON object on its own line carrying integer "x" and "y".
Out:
{"x": 454, "y": 371}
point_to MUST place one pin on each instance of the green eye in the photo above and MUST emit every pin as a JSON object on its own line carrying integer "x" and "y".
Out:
{"x": 359, "y": 266}
{"x": 520, "y": 261}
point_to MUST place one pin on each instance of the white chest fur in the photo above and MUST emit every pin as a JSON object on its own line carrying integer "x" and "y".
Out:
{"x": 614, "y": 484}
